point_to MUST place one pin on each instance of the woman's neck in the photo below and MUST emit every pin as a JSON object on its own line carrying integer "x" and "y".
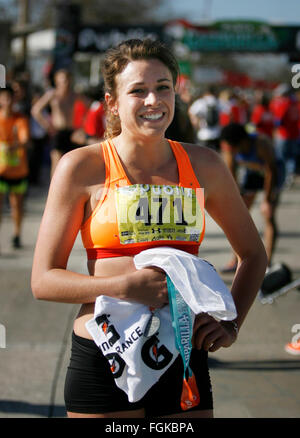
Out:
{"x": 149, "y": 154}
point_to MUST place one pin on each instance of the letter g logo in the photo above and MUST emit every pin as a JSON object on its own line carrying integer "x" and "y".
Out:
{"x": 164, "y": 356}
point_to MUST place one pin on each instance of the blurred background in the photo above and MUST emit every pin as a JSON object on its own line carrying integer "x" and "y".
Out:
{"x": 246, "y": 51}
{"x": 242, "y": 44}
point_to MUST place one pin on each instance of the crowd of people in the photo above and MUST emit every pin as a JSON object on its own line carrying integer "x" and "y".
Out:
{"x": 258, "y": 135}
{"x": 275, "y": 114}
{"x": 38, "y": 125}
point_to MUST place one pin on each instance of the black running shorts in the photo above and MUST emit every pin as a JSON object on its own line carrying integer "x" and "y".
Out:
{"x": 62, "y": 142}
{"x": 90, "y": 387}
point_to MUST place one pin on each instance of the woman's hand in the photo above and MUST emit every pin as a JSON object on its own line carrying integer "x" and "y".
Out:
{"x": 211, "y": 335}
{"x": 147, "y": 286}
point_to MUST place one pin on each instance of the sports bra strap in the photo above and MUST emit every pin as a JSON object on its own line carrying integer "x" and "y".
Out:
{"x": 113, "y": 164}
{"x": 115, "y": 170}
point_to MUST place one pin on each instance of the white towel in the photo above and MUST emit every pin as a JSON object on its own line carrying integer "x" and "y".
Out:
{"x": 136, "y": 368}
{"x": 198, "y": 282}
{"x": 118, "y": 326}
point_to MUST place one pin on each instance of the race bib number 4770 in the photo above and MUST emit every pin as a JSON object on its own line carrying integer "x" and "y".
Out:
{"x": 158, "y": 212}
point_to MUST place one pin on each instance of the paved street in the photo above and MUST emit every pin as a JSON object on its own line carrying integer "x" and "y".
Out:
{"x": 254, "y": 378}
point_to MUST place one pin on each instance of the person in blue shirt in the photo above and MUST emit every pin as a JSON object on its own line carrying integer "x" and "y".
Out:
{"x": 253, "y": 163}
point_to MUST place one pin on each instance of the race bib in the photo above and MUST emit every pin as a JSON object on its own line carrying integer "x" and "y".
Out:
{"x": 158, "y": 212}
{"x": 8, "y": 158}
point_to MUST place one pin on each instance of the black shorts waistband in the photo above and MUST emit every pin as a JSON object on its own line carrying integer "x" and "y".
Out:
{"x": 83, "y": 341}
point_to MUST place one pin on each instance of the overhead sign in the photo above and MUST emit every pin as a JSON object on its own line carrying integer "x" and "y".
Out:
{"x": 221, "y": 36}
{"x": 243, "y": 36}
{"x": 101, "y": 38}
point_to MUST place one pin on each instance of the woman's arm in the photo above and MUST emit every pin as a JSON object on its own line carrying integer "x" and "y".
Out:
{"x": 226, "y": 207}
{"x": 63, "y": 215}
{"x": 37, "y": 112}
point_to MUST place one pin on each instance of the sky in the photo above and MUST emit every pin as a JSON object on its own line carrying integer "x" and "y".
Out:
{"x": 272, "y": 11}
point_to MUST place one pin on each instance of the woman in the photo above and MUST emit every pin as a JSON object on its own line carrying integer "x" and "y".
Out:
{"x": 140, "y": 79}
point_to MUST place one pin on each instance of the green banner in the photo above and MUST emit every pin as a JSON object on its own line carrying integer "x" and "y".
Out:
{"x": 241, "y": 36}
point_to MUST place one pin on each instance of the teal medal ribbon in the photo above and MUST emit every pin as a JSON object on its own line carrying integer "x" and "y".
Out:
{"x": 182, "y": 325}
{"x": 182, "y": 322}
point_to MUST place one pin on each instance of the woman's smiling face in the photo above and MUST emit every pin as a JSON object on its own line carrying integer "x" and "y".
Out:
{"x": 145, "y": 97}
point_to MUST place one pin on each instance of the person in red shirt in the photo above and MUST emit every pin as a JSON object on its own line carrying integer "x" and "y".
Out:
{"x": 287, "y": 115}
{"x": 92, "y": 124}
{"x": 225, "y": 105}
{"x": 233, "y": 108}
{"x": 80, "y": 110}
{"x": 14, "y": 137}
{"x": 262, "y": 117}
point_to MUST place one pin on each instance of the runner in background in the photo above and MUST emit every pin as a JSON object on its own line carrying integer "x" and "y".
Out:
{"x": 261, "y": 171}
{"x": 204, "y": 115}
{"x": 14, "y": 139}
{"x": 22, "y": 96}
{"x": 61, "y": 101}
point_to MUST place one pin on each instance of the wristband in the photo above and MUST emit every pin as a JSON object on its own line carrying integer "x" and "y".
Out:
{"x": 234, "y": 325}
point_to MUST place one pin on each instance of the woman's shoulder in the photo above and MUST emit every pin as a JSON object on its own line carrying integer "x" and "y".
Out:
{"x": 201, "y": 155}
{"x": 208, "y": 165}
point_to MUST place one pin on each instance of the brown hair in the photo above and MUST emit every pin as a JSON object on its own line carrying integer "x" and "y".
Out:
{"x": 116, "y": 60}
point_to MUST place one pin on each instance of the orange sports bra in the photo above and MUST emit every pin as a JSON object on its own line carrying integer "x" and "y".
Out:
{"x": 130, "y": 218}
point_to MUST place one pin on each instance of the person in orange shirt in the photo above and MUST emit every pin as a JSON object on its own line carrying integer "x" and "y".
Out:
{"x": 14, "y": 137}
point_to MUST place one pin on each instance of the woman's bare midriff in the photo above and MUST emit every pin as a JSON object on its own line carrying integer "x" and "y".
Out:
{"x": 102, "y": 268}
